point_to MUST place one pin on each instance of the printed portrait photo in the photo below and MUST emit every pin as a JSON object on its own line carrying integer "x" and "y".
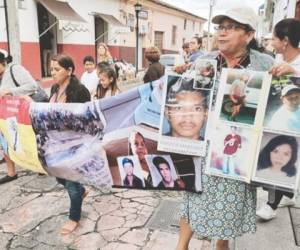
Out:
{"x": 163, "y": 172}
{"x": 139, "y": 142}
{"x": 205, "y": 74}
{"x": 241, "y": 95}
{"x": 130, "y": 172}
{"x": 185, "y": 110}
{"x": 283, "y": 107}
{"x": 230, "y": 151}
{"x": 278, "y": 162}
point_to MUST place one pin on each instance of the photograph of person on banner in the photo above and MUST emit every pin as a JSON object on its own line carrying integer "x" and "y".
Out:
{"x": 163, "y": 172}
{"x": 137, "y": 146}
{"x": 130, "y": 172}
{"x": 205, "y": 74}
{"x": 186, "y": 110}
{"x": 283, "y": 113}
{"x": 231, "y": 147}
{"x": 241, "y": 96}
{"x": 278, "y": 160}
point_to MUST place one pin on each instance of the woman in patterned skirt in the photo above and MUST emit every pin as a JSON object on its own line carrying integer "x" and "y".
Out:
{"x": 226, "y": 208}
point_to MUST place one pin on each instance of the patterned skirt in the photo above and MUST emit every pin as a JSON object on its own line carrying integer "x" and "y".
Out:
{"x": 224, "y": 210}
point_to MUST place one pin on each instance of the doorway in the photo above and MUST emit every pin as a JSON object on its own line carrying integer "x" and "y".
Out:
{"x": 48, "y": 41}
{"x": 101, "y": 32}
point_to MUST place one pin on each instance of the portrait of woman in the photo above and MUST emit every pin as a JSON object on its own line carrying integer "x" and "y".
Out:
{"x": 137, "y": 146}
{"x": 277, "y": 160}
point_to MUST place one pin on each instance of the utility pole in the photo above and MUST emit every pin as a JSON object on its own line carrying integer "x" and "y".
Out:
{"x": 211, "y": 5}
{"x": 13, "y": 33}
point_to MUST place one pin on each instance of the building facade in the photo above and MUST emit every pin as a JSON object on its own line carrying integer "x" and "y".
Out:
{"x": 75, "y": 27}
{"x": 276, "y": 10}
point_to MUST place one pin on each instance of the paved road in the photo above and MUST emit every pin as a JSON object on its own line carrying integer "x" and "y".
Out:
{"x": 33, "y": 208}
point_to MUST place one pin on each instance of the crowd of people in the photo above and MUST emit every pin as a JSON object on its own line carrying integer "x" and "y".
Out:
{"x": 226, "y": 209}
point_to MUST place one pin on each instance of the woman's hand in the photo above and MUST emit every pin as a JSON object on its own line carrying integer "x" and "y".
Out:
{"x": 5, "y": 92}
{"x": 282, "y": 69}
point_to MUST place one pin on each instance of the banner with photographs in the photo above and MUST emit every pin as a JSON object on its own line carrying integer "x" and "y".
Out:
{"x": 101, "y": 143}
{"x": 255, "y": 128}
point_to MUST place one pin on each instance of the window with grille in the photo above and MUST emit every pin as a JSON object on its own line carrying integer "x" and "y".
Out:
{"x": 158, "y": 39}
{"x": 174, "y": 34}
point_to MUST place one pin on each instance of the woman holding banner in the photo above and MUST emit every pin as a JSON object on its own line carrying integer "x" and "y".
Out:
{"x": 69, "y": 90}
{"x": 286, "y": 41}
{"x": 226, "y": 208}
{"x": 27, "y": 86}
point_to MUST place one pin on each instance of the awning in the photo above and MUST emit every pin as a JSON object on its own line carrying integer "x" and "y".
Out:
{"x": 109, "y": 19}
{"x": 61, "y": 10}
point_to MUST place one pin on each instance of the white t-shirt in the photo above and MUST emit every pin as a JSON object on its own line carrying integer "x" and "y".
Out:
{"x": 90, "y": 80}
{"x": 286, "y": 120}
{"x": 295, "y": 63}
{"x": 278, "y": 177}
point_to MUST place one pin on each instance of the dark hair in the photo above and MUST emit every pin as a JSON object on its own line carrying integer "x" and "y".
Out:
{"x": 88, "y": 59}
{"x": 152, "y": 54}
{"x": 110, "y": 73}
{"x": 264, "y": 160}
{"x": 290, "y": 28}
{"x": 67, "y": 62}
{"x": 101, "y": 66}
{"x": 198, "y": 39}
{"x": 157, "y": 160}
{"x": 185, "y": 85}
{"x": 127, "y": 160}
{"x": 186, "y": 45}
{"x": 5, "y": 60}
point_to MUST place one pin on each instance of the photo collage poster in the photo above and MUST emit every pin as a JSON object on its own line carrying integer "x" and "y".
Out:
{"x": 257, "y": 129}
{"x": 135, "y": 162}
{"x": 236, "y": 117}
{"x": 185, "y": 110}
{"x": 277, "y": 163}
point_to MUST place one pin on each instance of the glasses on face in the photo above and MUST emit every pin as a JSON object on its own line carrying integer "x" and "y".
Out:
{"x": 229, "y": 27}
{"x": 186, "y": 109}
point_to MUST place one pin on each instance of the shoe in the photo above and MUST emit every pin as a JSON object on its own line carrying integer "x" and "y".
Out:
{"x": 266, "y": 212}
{"x": 286, "y": 202}
{"x": 8, "y": 178}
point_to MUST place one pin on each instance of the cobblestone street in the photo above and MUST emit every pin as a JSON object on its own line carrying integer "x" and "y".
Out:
{"x": 33, "y": 208}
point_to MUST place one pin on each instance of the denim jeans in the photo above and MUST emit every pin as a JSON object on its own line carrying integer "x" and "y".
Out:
{"x": 228, "y": 164}
{"x": 278, "y": 196}
{"x": 76, "y": 192}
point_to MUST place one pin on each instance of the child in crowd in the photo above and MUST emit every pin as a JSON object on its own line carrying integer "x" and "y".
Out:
{"x": 107, "y": 85}
{"x": 89, "y": 78}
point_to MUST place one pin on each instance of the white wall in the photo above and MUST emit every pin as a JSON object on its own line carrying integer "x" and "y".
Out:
{"x": 283, "y": 9}
{"x": 84, "y": 8}
{"x": 3, "y": 32}
{"x": 28, "y": 22}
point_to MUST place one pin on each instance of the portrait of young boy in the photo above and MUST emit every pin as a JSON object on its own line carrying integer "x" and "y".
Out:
{"x": 186, "y": 111}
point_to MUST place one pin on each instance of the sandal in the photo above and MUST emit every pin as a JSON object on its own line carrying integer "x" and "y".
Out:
{"x": 69, "y": 227}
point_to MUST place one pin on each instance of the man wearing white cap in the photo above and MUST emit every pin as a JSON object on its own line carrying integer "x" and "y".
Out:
{"x": 287, "y": 117}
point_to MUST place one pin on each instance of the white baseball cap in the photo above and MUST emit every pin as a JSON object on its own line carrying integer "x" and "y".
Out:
{"x": 244, "y": 15}
{"x": 4, "y": 52}
{"x": 289, "y": 88}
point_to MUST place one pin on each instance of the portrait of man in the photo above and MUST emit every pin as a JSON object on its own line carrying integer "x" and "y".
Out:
{"x": 130, "y": 179}
{"x": 164, "y": 169}
{"x": 186, "y": 110}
